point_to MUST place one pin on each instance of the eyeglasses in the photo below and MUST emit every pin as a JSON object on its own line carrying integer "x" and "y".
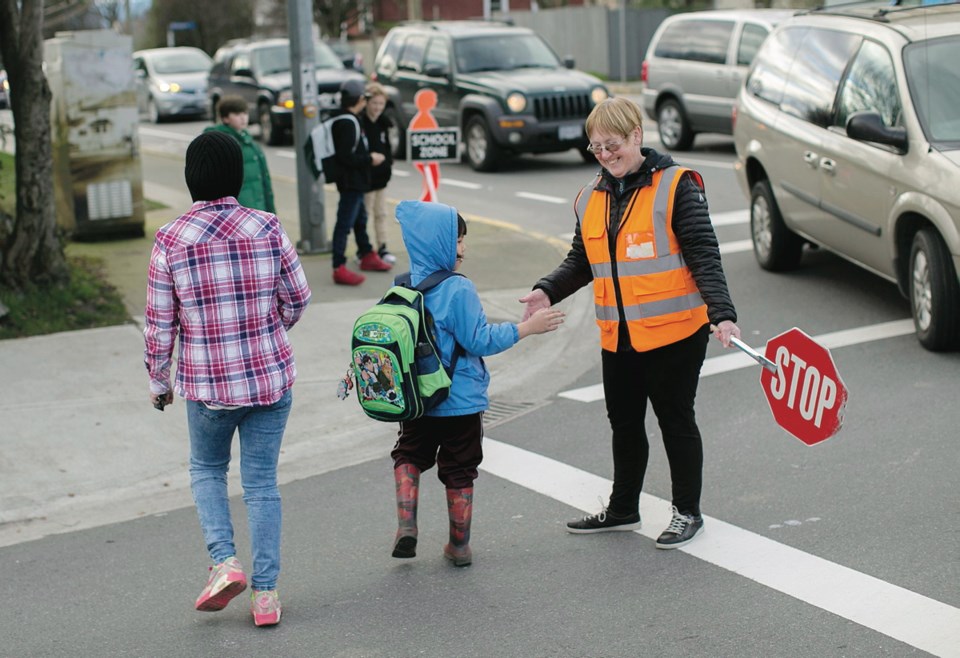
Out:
{"x": 609, "y": 147}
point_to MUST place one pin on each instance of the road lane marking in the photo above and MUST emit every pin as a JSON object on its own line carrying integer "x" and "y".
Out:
{"x": 165, "y": 134}
{"x": 543, "y": 197}
{"x": 736, "y": 246}
{"x": 738, "y": 360}
{"x": 906, "y": 616}
{"x": 467, "y": 185}
{"x": 730, "y": 218}
{"x": 285, "y": 154}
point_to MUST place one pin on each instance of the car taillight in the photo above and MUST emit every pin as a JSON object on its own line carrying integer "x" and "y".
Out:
{"x": 643, "y": 71}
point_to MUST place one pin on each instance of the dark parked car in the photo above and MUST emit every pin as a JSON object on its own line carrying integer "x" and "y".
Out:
{"x": 171, "y": 82}
{"x": 503, "y": 86}
{"x": 351, "y": 58}
{"x": 259, "y": 71}
{"x": 4, "y": 90}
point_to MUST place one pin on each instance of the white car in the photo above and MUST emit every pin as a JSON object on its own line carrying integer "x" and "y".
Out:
{"x": 172, "y": 82}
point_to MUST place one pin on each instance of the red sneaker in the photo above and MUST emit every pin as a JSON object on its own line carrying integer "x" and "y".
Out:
{"x": 373, "y": 263}
{"x": 345, "y": 277}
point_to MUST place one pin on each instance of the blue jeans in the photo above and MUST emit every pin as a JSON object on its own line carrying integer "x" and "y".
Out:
{"x": 261, "y": 431}
{"x": 351, "y": 216}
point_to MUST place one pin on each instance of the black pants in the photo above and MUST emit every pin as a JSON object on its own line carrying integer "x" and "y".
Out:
{"x": 453, "y": 443}
{"x": 668, "y": 378}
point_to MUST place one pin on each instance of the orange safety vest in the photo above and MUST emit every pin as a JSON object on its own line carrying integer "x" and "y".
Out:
{"x": 661, "y": 302}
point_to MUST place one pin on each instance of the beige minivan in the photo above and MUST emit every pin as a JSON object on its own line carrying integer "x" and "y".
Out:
{"x": 848, "y": 138}
{"x": 694, "y": 67}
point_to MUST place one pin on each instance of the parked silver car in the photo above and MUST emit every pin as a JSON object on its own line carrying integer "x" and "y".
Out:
{"x": 694, "y": 67}
{"x": 848, "y": 137}
{"x": 172, "y": 82}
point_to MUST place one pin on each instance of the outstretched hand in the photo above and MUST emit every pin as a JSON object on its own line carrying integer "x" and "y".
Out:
{"x": 534, "y": 300}
{"x": 544, "y": 320}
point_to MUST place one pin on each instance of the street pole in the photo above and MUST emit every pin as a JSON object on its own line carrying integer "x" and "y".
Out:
{"x": 313, "y": 234}
{"x": 623, "y": 40}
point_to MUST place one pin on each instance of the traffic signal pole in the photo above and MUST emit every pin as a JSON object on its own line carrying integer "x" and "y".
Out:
{"x": 313, "y": 234}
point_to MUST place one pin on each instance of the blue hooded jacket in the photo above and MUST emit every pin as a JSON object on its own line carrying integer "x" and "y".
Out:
{"x": 430, "y": 236}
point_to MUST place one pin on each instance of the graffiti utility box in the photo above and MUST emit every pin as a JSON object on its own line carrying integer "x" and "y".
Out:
{"x": 96, "y": 159}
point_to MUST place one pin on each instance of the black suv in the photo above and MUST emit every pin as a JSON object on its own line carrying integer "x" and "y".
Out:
{"x": 503, "y": 86}
{"x": 259, "y": 71}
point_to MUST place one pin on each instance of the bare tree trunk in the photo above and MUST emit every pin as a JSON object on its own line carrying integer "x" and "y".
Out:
{"x": 33, "y": 252}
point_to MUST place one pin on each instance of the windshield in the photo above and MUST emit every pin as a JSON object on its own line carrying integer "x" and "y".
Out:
{"x": 504, "y": 52}
{"x": 184, "y": 61}
{"x": 936, "y": 98}
{"x": 276, "y": 59}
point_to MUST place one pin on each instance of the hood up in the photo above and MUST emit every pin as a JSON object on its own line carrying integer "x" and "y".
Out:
{"x": 429, "y": 233}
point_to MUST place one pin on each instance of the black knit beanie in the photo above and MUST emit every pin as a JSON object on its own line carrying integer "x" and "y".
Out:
{"x": 214, "y": 166}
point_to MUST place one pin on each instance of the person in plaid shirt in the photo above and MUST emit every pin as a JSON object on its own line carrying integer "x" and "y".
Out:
{"x": 227, "y": 281}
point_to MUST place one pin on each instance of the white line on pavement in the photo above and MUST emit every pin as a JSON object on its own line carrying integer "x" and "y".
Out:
{"x": 543, "y": 197}
{"x": 165, "y": 134}
{"x": 286, "y": 154}
{"x": 906, "y": 616}
{"x": 453, "y": 182}
{"x": 739, "y": 360}
{"x": 736, "y": 246}
{"x": 730, "y": 218}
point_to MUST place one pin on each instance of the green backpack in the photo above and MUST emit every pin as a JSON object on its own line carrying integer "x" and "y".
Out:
{"x": 396, "y": 366}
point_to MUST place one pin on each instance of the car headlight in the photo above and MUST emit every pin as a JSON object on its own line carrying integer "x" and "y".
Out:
{"x": 285, "y": 99}
{"x": 169, "y": 88}
{"x": 598, "y": 95}
{"x": 517, "y": 102}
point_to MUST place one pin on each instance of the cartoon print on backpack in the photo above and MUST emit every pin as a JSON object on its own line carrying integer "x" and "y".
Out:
{"x": 376, "y": 373}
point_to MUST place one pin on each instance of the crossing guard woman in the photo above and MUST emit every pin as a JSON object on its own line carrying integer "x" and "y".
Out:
{"x": 645, "y": 240}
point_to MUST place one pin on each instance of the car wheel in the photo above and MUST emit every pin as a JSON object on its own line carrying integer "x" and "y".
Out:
{"x": 396, "y": 135}
{"x": 153, "y": 112}
{"x": 672, "y": 124}
{"x": 776, "y": 247}
{"x": 215, "y": 110}
{"x": 482, "y": 153}
{"x": 268, "y": 132}
{"x": 934, "y": 292}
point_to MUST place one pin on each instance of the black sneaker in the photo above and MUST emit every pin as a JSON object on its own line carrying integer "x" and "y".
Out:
{"x": 385, "y": 255}
{"x": 681, "y": 531}
{"x": 604, "y": 521}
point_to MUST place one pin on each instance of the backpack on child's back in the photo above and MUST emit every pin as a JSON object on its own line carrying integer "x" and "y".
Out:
{"x": 396, "y": 366}
{"x": 320, "y": 151}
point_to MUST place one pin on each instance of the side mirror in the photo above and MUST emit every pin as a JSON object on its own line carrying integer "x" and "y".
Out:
{"x": 436, "y": 71}
{"x": 569, "y": 62}
{"x": 869, "y": 127}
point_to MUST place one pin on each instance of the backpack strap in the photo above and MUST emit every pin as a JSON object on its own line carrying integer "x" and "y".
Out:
{"x": 432, "y": 281}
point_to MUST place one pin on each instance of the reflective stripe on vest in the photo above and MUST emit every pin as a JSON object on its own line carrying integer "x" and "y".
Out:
{"x": 661, "y": 303}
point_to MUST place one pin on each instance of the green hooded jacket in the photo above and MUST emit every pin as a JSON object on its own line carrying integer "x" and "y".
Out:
{"x": 257, "y": 190}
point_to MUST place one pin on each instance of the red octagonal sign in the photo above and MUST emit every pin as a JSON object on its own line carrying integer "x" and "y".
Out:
{"x": 806, "y": 395}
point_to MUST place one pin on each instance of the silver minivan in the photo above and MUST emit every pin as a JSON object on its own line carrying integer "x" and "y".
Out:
{"x": 694, "y": 67}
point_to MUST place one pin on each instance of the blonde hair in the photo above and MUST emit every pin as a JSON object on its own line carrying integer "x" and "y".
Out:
{"x": 374, "y": 89}
{"x": 617, "y": 116}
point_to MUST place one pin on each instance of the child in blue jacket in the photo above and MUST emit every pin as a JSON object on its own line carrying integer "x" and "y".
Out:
{"x": 450, "y": 434}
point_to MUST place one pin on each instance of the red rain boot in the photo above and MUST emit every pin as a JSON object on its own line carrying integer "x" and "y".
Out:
{"x": 460, "y": 510}
{"x": 407, "y": 477}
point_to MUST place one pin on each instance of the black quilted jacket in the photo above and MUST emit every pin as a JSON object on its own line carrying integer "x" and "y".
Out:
{"x": 691, "y": 224}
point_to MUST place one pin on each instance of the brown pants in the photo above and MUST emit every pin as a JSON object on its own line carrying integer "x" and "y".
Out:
{"x": 453, "y": 443}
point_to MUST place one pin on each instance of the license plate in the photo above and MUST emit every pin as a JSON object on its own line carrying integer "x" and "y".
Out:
{"x": 571, "y": 131}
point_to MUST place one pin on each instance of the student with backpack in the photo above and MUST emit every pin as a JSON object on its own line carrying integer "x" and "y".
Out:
{"x": 350, "y": 169}
{"x": 449, "y": 435}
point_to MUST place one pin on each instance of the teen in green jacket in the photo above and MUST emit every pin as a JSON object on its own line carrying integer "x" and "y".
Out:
{"x": 257, "y": 190}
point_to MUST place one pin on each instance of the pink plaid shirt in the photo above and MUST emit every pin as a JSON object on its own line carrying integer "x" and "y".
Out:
{"x": 228, "y": 280}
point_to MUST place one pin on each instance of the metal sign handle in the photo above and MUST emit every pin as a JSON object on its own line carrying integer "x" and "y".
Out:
{"x": 755, "y": 355}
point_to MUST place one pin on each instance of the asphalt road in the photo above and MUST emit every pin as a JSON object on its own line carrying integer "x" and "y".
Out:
{"x": 847, "y": 548}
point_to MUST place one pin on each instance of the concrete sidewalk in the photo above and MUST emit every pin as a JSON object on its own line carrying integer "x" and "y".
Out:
{"x": 81, "y": 446}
